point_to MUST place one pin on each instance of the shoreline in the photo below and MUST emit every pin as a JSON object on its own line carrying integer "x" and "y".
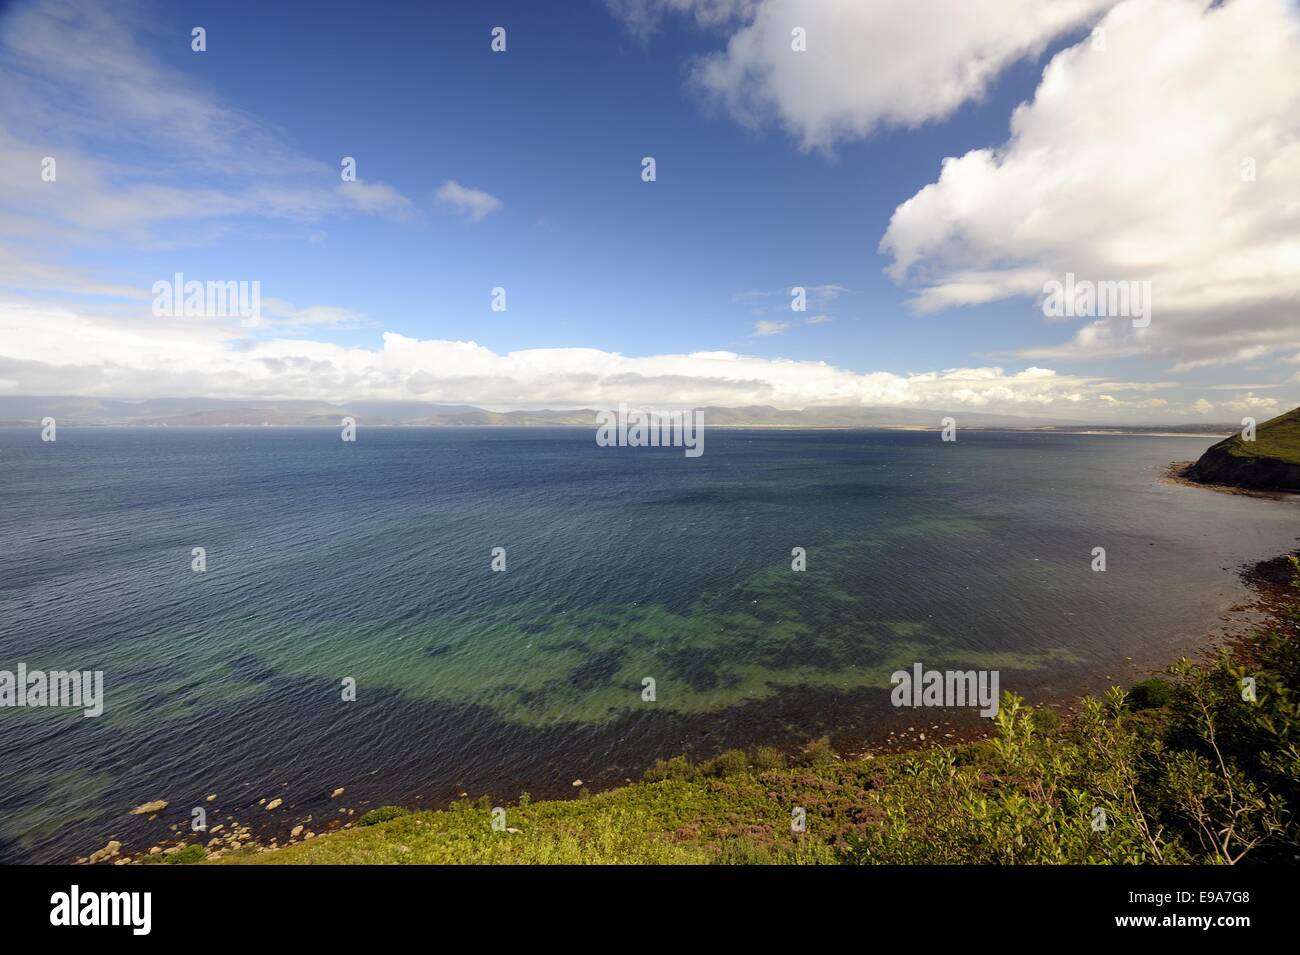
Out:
{"x": 1266, "y": 583}
{"x": 865, "y": 725}
{"x": 1268, "y": 580}
{"x": 1176, "y": 473}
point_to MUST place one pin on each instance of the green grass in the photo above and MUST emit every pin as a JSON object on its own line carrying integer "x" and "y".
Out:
{"x": 1181, "y": 770}
{"x": 1276, "y": 438}
{"x": 186, "y": 856}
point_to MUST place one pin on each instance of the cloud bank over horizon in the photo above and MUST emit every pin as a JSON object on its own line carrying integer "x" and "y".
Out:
{"x": 65, "y": 352}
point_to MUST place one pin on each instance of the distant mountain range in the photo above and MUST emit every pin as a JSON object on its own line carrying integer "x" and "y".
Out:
{"x": 211, "y": 412}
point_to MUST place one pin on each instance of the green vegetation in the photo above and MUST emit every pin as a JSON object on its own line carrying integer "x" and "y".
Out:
{"x": 1276, "y": 438}
{"x": 1270, "y": 462}
{"x": 186, "y": 855}
{"x": 1188, "y": 769}
{"x": 383, "y": 814}
{"x": 1150, "y": 694}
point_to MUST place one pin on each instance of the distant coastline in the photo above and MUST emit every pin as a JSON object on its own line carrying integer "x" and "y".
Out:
{"x": 203, "y": 412}
{"x": 1096, "y": 432}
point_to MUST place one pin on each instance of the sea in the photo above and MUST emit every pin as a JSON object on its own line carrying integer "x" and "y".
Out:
{"x": 424, "y": 615}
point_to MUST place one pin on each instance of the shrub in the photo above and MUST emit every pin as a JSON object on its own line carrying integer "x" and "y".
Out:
{"x": 1150, "y": 694}
{"x": 1215, "y": 780}
{"x": 679, "y": 768}
{"x": 187, "y": 855}
{"x": 767, "y": 757}
{"x": 1047, "y": 720}
{"x": 382, "y": 814}
{"x": 817, "y": 753}
{"x": 731, "y": 763}
{"x": 743, "y": 852}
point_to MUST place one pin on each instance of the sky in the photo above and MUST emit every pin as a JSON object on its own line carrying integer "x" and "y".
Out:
{"x": 922, "y": 170}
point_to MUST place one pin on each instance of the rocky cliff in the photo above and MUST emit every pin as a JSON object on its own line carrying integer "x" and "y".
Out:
{"x": 1271, "y": 461}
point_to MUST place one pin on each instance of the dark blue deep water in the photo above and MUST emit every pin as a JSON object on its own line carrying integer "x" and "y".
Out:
{"x": 372, "y": 562}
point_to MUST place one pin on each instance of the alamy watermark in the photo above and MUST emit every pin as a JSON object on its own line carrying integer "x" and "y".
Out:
{"x": 75, "y": 689}
{"x": 1086, "y": 299}
{"x": 922, "y": 687}
{"x": 128, "y": 909}
{"x": 651, "y": 429}
{"x": 194, "y": 299}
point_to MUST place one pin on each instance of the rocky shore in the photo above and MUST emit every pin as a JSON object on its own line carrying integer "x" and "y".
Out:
{"x": 1267, "y": 460}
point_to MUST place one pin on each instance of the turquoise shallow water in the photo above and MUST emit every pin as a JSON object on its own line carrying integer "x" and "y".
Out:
{"x": 372, "y": 562}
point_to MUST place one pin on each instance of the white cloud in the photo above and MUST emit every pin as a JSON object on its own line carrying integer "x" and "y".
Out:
{"x": 277, "y": 312}
{"x": 770, "y": 328}
{"x": 78, "y": 88}
{"x": 643, "y": 17}
{"x": 474, "y": 204}
{"x": 376, "y": 197}
{"x": 1259, "y": 387}
{"x": 60, "y": 348}
{"x": 1253, "y": 402}
{"x": 869, "y": 63}
{"x": 821, "y": 298}
{"x": 1128, "y": 165}
{"x": 20, "y": 268}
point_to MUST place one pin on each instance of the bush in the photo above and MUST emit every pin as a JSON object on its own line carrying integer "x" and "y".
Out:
{"x": 679, "y": 768}
{"x": 382, "y": 814}
{"x": 743, "y": 852}
{"x": 1047, "y": 720}
{"x": 187, "y": 855}
{"x": 1150, "y": 694}
{"x": 767, "y": 757}
{"x": 816, "y": 754}
{"x": 1215, "y": 780}
{"x": 731, "y": 763}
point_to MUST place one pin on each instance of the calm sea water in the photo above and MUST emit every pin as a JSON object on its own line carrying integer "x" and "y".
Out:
{"x": 372, "y": 562}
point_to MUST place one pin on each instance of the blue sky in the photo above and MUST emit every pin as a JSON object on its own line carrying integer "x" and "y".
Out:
{"x": 589, "y": 254}
{"x": 224, "y": 164}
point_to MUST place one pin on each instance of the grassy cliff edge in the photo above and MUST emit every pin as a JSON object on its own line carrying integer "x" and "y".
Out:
{"x": 1270, "y": 462}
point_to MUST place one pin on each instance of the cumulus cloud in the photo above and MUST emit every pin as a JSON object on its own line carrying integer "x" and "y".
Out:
{"x": 474, "y": 204}
{"x": 1142, "y": 158}
{"x": 868, "y": 63}
{"x": 1253, "y": 402}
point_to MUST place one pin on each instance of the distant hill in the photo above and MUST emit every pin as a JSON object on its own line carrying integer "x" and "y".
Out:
{"x": 210, "y": 412}
{"x": 1271, "y": 461}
